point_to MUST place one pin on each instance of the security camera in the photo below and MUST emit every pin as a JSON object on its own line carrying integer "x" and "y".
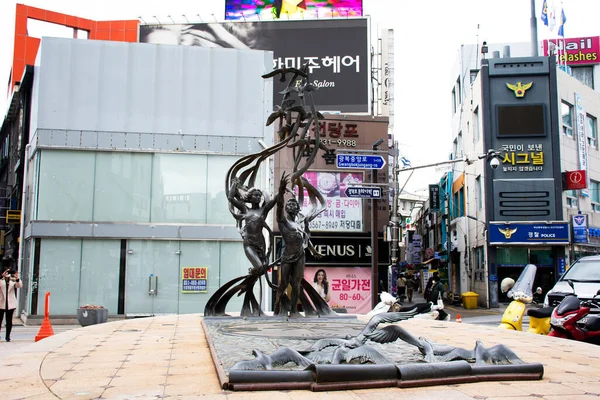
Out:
{"x": 494, "y": 163}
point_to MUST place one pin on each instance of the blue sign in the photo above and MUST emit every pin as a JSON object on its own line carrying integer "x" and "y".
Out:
{"x": 561, "y": 266}
{"x": 580, "y": 229}
{"x": 529, "y": 233}
{"x": 355, "y": 161}
{"x": 363, "y": 192}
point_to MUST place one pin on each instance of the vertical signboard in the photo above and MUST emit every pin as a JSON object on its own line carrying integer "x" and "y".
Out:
{"x": 349, "y": 288}
{"x": 581, "y": 138}
{"x": 387, "y": 75}
{"x": 194, "y": 279}
{"x": 580, "y": 228}
{"x": 434, "y": 198}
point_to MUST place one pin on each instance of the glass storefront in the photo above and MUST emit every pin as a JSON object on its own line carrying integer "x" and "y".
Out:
{"x": 78, "y": 272}
{"x": 92, "y": 186}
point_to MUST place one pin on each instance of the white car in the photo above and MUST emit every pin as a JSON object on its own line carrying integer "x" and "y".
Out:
{"x": 585, "y": 277}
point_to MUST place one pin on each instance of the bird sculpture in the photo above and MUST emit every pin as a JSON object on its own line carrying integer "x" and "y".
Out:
{"x": 268, "y": 361}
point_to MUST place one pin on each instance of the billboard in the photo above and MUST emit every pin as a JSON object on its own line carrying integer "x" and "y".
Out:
{"x": 336, "y": 51}
{"x": 574, "y": 51}
{"x": 249, "y": 9}
{"x": 349, "y": 288}
{"x": 343, "y": 214}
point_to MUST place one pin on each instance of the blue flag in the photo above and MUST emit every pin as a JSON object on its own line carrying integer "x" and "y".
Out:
{"x": 405, "y": 162}
{"x": 545, "y": 12}
{"x": 563, "y": 19}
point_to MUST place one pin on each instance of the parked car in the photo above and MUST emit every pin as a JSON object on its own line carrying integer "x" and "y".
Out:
{"x": 585, "y": 276}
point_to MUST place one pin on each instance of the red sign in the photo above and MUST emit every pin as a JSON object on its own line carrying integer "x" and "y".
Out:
{"x": 349, "y": 288}
{"x": 574, "y": 51}
{"x": 575, "y": 180}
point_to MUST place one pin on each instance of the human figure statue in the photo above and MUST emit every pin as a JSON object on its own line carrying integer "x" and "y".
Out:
{"x": 296, "y": 237}
{"x": 253, "y": 220}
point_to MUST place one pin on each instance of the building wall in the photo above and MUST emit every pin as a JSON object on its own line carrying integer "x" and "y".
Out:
{"x": 129, "y": 149}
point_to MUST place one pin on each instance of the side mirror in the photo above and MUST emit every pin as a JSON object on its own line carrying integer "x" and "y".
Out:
{"x": 539, "y": 290}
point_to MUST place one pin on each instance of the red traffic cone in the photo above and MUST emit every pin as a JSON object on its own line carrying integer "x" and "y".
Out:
{"x": 458, "y": 318}
{"x": 46, "y": 328}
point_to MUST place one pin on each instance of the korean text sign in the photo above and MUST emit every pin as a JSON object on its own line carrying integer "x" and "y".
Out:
{"x": 194, "y": 279}
{"x": 349, "y": 287}
{"x": 342, "y": 213}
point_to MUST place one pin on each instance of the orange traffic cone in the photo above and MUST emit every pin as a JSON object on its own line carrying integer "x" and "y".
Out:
{"x": 458, "y": 318}
{"x": 46, "y": 328}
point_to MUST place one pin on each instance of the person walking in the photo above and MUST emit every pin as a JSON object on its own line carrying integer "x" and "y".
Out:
{"x": 8, "y": 298}
{"x": 437, "y": 291}
{"x": 401, "y": 286}
{"x": 428, "y": 286}
{"x": 411, "y": 284}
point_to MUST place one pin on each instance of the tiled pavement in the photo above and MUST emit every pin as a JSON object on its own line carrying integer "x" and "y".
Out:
{"x": 169, "y": 357}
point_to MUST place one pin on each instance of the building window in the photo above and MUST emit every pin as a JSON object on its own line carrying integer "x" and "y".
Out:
{"x": 592, "y": 130}
{"x": 476, "y": 124}
{"x": 454, "y": 104}
{"x": 584, "y": 75}
{"x": 571, "y": 198}
{"x": 458, "y": 92}
{"x": 567, "y": 119}
{"x": 479, "y": 192}
{"x": 595, "y": 195}
{"x": 459, "y": 145}
{"x": 473, "y": 75}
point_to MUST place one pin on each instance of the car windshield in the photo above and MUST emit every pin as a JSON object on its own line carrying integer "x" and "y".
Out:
{"x": 584, "y": 270}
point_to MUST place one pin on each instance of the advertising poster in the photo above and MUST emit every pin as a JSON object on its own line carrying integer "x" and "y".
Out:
{"x": 194, "y": 279}
{"x": 343, "y": 214}
{"x": 253, "y": 9}
{"x": 349, "y": 287}
{"x": 336, "y": 51}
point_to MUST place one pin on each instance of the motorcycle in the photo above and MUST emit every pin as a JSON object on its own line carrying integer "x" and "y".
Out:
{"x": 571, "y": 319}
{"x": 389, "y": 303}
{"x": 522, "y": 294}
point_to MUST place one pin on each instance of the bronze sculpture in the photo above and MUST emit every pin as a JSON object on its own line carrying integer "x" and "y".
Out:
{"x": 250, "y": 207}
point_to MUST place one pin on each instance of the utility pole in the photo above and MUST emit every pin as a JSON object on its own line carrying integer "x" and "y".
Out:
{"x": 374, "y": 238}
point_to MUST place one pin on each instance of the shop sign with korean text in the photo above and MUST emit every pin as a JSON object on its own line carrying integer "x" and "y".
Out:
{"x": 349, "y": 288}
{"x": 194, "y": 279}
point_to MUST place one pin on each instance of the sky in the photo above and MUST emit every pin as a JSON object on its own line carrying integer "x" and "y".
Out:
{"x": 427, "y": 37}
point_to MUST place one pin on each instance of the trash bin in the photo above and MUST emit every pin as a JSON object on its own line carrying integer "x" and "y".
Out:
{"x": 469, "y": 300}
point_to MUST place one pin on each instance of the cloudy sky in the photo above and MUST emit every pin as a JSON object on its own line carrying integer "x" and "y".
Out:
{"x": 428, "y": 35}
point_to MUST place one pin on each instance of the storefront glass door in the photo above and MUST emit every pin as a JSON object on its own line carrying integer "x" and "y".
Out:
{"x": 152, "y": 278}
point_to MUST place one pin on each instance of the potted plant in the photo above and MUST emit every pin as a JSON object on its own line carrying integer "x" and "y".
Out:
{"x": 91, "y": 314}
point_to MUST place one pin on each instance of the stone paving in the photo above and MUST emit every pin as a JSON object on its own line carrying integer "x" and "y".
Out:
{"x": 169, "y": 357}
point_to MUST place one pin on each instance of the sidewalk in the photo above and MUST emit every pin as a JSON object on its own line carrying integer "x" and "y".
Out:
{"x": 169, "y": 356}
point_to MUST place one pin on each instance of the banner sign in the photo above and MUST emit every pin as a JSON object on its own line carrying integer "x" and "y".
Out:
{"x": 336, "y": 50}
{"x": 349, "y": 288}
{"x": 253, "y": 9}
{"x": 434, "y": 198}
{"x": 580, "y": 229}
{"x": 574, "y": 51}
{"x": 581, "y": 138}
{"x": 529, "y": 233}
{"x": 343, "y": 214}
{"x": 194, "y": 279}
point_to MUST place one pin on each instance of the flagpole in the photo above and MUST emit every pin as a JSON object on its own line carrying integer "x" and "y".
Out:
{"x": 534, "y": 32}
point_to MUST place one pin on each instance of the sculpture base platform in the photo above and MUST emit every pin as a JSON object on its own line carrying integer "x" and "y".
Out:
{"x": 232, "y": 339}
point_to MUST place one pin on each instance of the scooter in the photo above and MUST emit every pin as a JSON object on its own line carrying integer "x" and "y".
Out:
{"x": 571, "y": 319}
{"x": 521, "y": 293}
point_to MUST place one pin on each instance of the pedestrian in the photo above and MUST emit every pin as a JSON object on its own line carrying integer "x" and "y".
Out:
{"x": 8, "y": 298}
{"x": 410, "y": 287}
{"x": 427, "y": 293}
{"x": 437, "y": 291}
{"x": 401, "y": 287}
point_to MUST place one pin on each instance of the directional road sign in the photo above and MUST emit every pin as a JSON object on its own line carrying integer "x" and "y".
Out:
{"x": 362, "y": 192}
{"x": 355, "y": 161}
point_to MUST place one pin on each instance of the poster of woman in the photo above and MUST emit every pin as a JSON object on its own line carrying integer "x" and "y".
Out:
{"x": 348, "y": 288}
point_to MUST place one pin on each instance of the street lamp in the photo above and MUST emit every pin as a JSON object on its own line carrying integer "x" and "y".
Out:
{"x": 374, "y": 238}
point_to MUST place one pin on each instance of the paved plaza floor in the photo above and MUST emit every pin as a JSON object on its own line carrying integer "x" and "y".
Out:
{"x": 169, "y": 357}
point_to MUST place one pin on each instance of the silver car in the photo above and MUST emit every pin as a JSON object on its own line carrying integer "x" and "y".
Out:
{"x": 585, "y": 276}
